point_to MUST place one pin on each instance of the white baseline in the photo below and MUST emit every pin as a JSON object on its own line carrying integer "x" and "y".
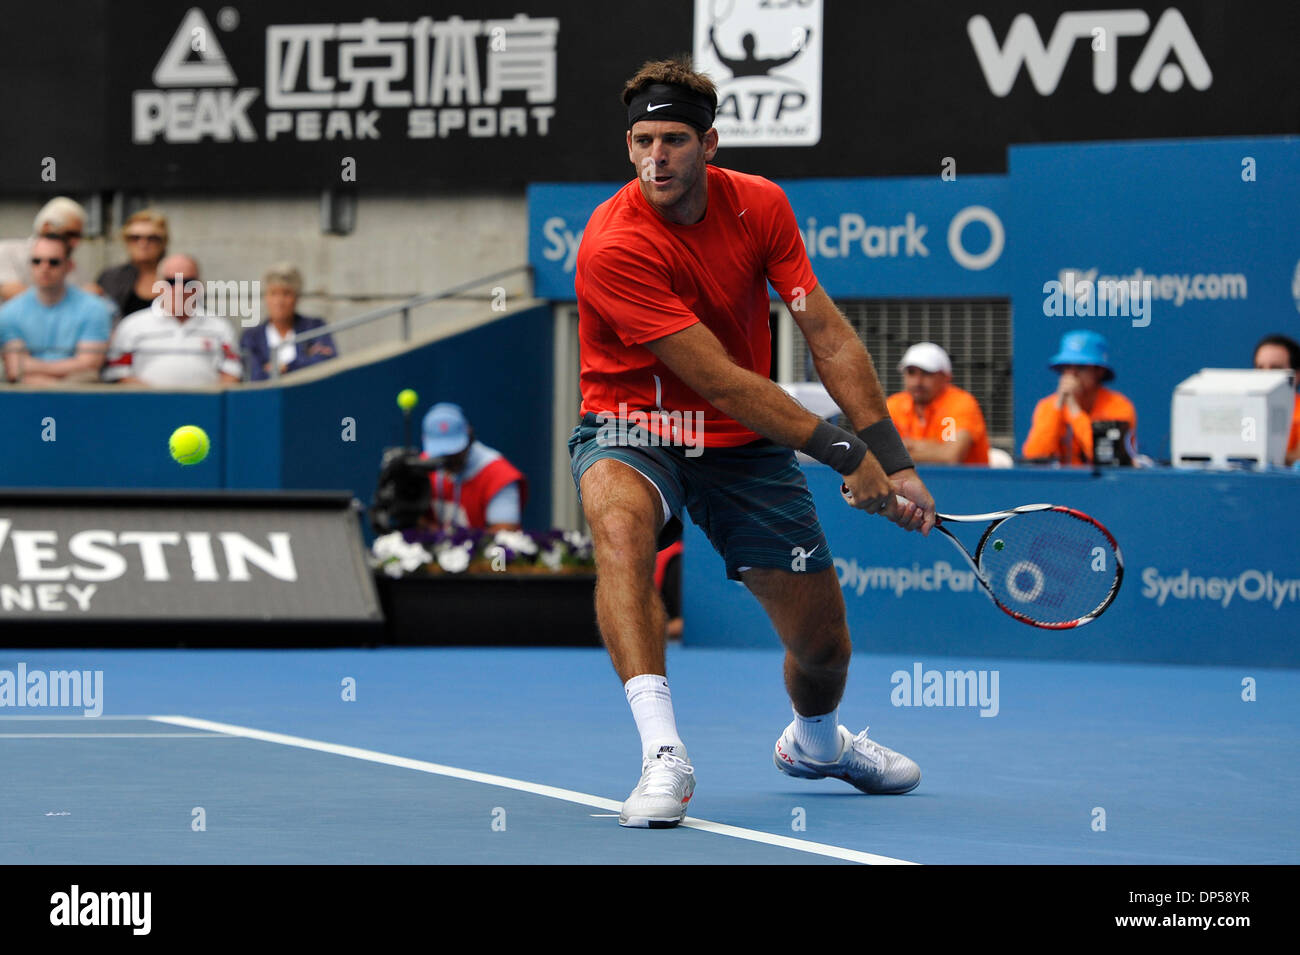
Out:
{"x": 568, "y": 795}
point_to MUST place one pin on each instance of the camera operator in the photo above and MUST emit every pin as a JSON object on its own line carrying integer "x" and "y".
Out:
{"x": 471, "y": 485}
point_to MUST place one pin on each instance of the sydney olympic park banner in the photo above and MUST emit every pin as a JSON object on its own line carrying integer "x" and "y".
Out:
{"x": 279, "y": 95}
{"x": 1182, "y": 253}
{"x": 1220, "y": 589}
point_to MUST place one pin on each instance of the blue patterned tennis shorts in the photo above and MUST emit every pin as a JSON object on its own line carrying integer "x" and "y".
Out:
{"x": 752, "y": 501}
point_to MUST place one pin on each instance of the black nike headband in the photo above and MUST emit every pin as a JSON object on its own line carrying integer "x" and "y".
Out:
{"x": 661, "y": 101}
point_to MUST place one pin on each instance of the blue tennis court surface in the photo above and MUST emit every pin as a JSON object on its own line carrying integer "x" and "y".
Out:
{"x": 262, "y": 748}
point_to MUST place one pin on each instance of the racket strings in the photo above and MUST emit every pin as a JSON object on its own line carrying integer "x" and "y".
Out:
{"x": 1051, "y": 566}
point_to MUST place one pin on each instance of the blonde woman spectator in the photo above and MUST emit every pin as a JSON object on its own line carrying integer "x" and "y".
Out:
{"x": 130, "y": 286}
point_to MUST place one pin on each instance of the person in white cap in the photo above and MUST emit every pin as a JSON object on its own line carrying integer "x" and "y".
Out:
{"x": 940, "y": 423}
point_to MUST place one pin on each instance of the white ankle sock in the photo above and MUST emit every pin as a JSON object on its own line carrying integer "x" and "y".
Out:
{"x": 818, "y": 736}
{"x": 652, "y": 708}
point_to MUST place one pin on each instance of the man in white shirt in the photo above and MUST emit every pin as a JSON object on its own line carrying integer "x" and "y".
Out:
{"x": 173, "y": 343}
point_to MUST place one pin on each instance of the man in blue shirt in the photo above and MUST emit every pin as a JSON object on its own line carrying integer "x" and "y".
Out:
{"x": 53, "y": 332}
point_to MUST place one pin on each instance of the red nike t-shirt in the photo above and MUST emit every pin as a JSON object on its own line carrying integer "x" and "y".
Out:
{"x": 640, "y": 277}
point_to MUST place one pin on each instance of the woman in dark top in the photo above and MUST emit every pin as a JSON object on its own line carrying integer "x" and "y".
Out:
{"x": 130, "y": 286}
{"x": 276, "y": 336}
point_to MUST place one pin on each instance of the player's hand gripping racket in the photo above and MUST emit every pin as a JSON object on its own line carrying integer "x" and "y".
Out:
{"x": 1044, "y": 565}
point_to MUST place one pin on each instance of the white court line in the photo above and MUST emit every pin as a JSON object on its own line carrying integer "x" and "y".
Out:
{"x": 116, "y": 736}
{"x": 568, "y": 795}
{"x": 97, "y": 719}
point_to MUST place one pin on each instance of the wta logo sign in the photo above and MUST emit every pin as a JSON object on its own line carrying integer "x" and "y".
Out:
{"x": 1171, "y": 54}
{"x": 1250, "y": 585}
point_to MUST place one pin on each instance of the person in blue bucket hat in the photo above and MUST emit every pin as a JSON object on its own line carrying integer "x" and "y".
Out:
{"x": 1062, "y": 426}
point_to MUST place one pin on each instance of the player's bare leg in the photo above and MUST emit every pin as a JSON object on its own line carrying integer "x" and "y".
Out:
{"x": 807, "y": 611}
{"x": 624, "y": 512}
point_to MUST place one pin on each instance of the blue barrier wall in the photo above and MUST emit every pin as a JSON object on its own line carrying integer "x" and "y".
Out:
{"x": 292, "y": 436}
{"x": 1174, "y": 528}
{"x": 1219, "y": 235}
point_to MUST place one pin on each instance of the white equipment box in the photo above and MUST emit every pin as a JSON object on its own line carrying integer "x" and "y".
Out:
{"x": 1227, "y": 417}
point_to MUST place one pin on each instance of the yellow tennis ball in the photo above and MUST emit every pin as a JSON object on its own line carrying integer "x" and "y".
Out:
{"x": 189, "y": 444}
{"x": 407, "y": 399}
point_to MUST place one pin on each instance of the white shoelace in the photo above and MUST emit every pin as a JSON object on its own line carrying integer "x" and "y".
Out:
{"x": 869, "y": 748}
{"x": 661, "y": 776}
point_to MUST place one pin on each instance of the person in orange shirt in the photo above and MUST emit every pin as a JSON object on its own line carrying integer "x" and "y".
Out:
{"x": 1278, "y": 351}
{"x": 940, "y": 423}
{"x": 1062, "y": 426}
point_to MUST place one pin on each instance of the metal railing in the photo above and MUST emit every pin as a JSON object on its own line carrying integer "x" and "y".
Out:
{"x": 403, "y": 309}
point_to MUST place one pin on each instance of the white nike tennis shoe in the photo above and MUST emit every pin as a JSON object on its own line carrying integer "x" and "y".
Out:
{"x": 660, "y": 798}
{"x": 863, "y": 763}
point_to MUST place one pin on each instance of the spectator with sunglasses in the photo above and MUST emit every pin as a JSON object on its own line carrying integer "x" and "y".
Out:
{"x": 61, "y": 217}
{"x": 174, "y": 343}
{"x": 130, "y": 285}
{"x": 53, "y": 332}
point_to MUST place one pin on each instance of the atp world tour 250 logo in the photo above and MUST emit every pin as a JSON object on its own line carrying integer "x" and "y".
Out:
{"x": 766, "y": 58}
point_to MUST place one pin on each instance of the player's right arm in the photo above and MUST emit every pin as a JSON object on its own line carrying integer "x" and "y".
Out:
{"x": 695, "y": 355}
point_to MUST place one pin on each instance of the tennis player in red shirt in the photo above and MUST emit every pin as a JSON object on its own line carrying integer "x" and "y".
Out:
{"x": 680, "y": 416}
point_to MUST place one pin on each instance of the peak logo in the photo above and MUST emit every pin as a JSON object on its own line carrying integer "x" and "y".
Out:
{"x": 194, "y": 36}
{"x": 1024, "y": 46}
{"x": 193, "y": 58}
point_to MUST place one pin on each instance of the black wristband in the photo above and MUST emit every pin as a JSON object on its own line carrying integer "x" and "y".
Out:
{"x": 884, "y": 441}
{"x": 835, "y": 448}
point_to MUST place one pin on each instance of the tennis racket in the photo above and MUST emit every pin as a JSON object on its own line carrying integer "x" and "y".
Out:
{"x": 1042, "y": 564}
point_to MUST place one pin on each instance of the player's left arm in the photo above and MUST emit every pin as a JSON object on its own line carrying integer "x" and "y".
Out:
{"x": 841, "y": 360}
{"x": 846, "y": 369}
